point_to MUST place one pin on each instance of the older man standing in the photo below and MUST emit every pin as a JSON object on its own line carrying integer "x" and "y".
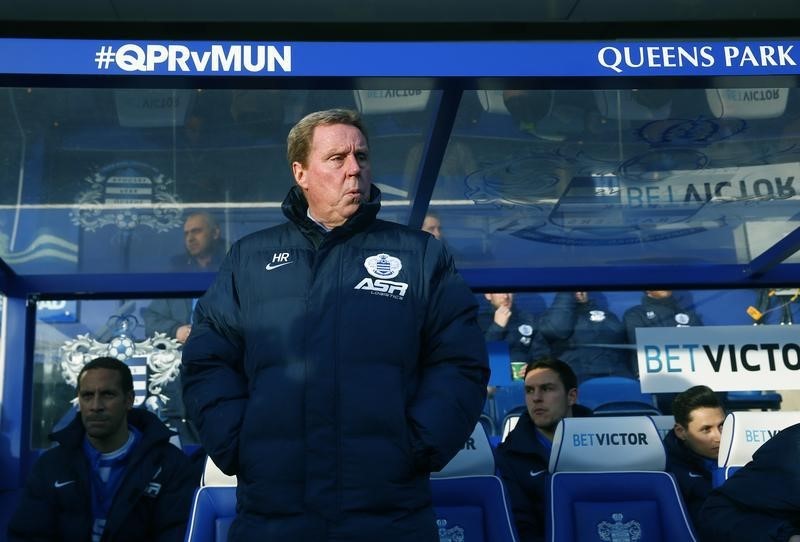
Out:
{"x": 337, "y": 360}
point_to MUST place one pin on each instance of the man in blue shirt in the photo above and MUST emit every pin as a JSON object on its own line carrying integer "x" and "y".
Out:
{"x": 113, "y": 476}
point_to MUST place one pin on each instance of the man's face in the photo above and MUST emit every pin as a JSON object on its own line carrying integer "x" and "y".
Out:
{"x": 337, "y": 176}
{"x": 104, "y": 407}
{"x": 658, "y": 294}
{"x": 704, "y": 432}
{"x": 432, "y": 225}
{"x": 546, "y": 399}
{"x": 199, "y": 236}
{"x": 500, "y": 300}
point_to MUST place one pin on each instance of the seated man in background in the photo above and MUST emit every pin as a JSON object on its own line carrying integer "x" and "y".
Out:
{"x": 433, "y": 225}
{"x": 761, "y": 501}
{"x": 658, "y": 308}
{"x": 204, "y": 244}
{"x": 114, "y": 474}
{"x": 551, "y": 392}
{"x": 501, "y": 321}
{"x": 583, "y": 336}
{"x": 692, "y": 446}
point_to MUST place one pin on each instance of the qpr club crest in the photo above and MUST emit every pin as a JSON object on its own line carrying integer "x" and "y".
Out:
{"x": 618, "y": 531}
{"x": 127, "y": 195}
{"x": 453, "y": 534}
{"x": 383, "y": 266}
{"x": 154, "y": 362}
{"x": 597, "y": 316}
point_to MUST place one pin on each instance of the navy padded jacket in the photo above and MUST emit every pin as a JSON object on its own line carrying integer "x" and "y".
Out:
{"x": 330, "y": 386}
{"x": 153, "y": 502}
{"x": 761, "y": 501}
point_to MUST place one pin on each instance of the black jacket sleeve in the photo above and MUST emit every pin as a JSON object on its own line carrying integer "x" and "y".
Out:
{"x": 454, "y": 366}
{"x": 214, "y": 385}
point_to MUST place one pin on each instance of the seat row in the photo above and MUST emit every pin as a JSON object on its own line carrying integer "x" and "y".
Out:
{"x": 606, "y": 480}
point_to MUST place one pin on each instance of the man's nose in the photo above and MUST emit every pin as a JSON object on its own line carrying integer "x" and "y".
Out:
{"x": 353, "y": 166}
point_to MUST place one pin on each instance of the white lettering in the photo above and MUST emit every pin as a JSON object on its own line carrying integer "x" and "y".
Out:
{"x": 383, "y": 286}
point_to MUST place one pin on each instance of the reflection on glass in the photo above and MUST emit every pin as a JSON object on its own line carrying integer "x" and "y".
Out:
{"x": 574, "y": 177}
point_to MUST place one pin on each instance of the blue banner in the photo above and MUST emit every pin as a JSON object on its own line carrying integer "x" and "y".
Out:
{"x": 394, "y": 59}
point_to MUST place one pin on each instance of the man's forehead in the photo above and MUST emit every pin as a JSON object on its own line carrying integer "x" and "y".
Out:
{"x": 195, "y": 223}
{"x": 100, "y": 378}
{"x": 541, "y": 376}
{"x": 328, "y": 135}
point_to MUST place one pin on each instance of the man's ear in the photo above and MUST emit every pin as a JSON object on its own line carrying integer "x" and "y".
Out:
{"x": 129, "y": 399}
{"x": 299, "y": 173}
{"x": 572, "y": 396}
{"x": 680, "y": 431}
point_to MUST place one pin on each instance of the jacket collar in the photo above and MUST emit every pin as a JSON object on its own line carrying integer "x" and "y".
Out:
{"x": 295, "y": 207}
{"x": 152, "y": 429}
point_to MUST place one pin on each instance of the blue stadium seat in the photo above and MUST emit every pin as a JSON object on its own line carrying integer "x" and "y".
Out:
{"x": 507, "y": 400}
{"x": 747, "y": 400}
{"x": 213, "y": 510}
{"x": 742, "y": 434}
{"x": 608, "y": 482}
{"x": 469, "y": 500}
{"x": 616, "y": 396}
{"x": 664, "y": 424}
{"x": 213, "y": 476}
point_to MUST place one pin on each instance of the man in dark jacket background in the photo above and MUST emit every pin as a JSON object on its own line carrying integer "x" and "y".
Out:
{"x": 761, "y": 501}
{"x": 692, "y": 446}
{"x": 584, "y": 336}
{"x": 336, "y": 360}
{"x": 114, "y": 474}
{"x": 551, "y": 394}
{"x": 659, "y": 308}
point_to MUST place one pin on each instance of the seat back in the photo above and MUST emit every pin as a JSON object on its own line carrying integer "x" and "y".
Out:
{"x": 616, "y": 396}
{"x": 475, "y": 458}
{"x": 499, "y": 363}
{"x": 507, "y": 400}
{"x": 742, "y": 434}
{"x": 664, "y": 424}
{"x": 612, "y": 443}
{"x": 469, "y": 500}
{"x": 509, "y": 423}
{"x": 213, "y": 510}
{"x": 213, "y": 476}
{"x": 608, "y": 482}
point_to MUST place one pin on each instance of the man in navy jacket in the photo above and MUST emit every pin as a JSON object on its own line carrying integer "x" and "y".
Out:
{"x": 114, "y": 474}
{"x": 761, "y": 501}
{"x": 584, "y": 336}
{"x": 551, "y": 392}
{"x": 336, "y": 360}
{"x": 692, "y": 446}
